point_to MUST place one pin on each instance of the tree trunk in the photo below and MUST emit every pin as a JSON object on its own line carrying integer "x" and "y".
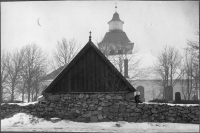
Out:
{"x": 23, "y": 96}
{"x": 36, "y": 93}
{"x": 12, "y": 92}
{"x": 28, "y": 91}
{"x": 23, "y": 91}
{"x": 1, "y": 93}
{"x": 164, "y": 93}
{"x": 171, "y": 77}
{"x": 32, "y": 95}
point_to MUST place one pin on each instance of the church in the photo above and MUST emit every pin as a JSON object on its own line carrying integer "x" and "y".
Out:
{"x": 116, "y": 41}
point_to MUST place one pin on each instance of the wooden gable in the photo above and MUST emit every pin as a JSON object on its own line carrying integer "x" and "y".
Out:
{"x": 89, "y": 71}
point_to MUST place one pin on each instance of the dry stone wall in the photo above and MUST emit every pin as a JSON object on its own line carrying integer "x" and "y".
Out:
{"x": 103, "y": 108}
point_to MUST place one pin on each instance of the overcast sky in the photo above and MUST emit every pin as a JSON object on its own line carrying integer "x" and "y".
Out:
{"x": 149, "y": 24}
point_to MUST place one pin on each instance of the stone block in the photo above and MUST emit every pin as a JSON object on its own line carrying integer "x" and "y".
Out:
{"x": 95, "y": 101}
{"x": 105, "y": 109}
{"x": 101, "y": 98}
{"x": 120, "y": 119}
{"x": 93, "y": 108}
{"x": 137, "y": 110}
{"x": 129, "y": 96}
{"x": 54, "y": 120}
{"x": 113, "y": 110}
{"x": 80, "y": 119}
{"x": 104, "y": 120}
{"x": 145, "y": 116}
{"x": 121, "y": 103}
{"x": 139, "y": 120}
{"x": 108, "y": 97}
{"x": 93, "y": 96}
{"x": 84, "y": 105}
{"x": 135, "y": 114}
{"x": 121, "y": 110}
{"x": 132, "y": 119}
{"x": 129, "y": 110}
{"x": 93, "y": 119}
{"x": 88, "y": 114}
{"x": 106, "y": 104}
{"x": 140, "y": 105}
{"x": 171, "y": 119}
{"x": 100, "y": 108}
{"x": 96, "y": 112}
{"x": 115, "y": 106}
{"x": 54, "y": 98}
{"x": 100, "y": 117}
{"x": 118, "y": 97}
{"x": 80, "y": 96}
{"x": 122, "y": 106}
{"x": 100, "y": 95}
{"x": 154, "y": 111}
{"x": 124, "y": 114}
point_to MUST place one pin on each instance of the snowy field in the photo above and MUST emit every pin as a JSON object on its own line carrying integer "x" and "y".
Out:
{"x": 24, "y": 122}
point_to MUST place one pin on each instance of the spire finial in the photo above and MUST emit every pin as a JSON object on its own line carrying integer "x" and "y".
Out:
{"x": 115, "y": 5}
{"x": 90, "y": 36}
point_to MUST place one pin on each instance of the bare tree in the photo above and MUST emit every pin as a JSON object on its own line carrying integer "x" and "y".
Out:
{"x": 39, "y": 74}
{"x": 136, "y": 71}
{"x": 190, "y": 83}
{"x": 34, "y": 58}
{"x": 167, "y": 67}
{"x": 14, "y": 63}
{"x": 4, "y": 73}
{"x": 64, "y": 53}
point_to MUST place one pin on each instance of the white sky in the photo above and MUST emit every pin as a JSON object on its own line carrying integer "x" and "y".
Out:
{"x": 149, "y": 24}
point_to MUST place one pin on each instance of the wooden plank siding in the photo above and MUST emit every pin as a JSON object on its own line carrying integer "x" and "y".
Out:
{"x": 89, "y": 71}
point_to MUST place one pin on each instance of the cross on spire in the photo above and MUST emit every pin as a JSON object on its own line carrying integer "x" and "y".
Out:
{"x": 115, "y": 5}
{"x": 90, "y": 36}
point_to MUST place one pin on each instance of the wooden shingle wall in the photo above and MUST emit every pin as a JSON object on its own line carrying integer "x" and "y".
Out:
{"x": 90, "y": 73}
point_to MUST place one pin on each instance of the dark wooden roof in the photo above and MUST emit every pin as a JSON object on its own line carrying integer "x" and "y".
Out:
{"x": 89, "y": 71}
{"x": 115, "y": 17}
{"x": 53, "y": 74}
{"x": 116, "y": 37}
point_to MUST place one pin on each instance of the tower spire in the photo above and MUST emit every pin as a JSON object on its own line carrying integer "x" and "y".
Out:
{"x": 115, "y": 5}
{"x": 90, "y": 36}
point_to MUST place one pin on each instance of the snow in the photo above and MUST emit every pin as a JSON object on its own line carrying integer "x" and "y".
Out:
{"x": 24, "y": 122}
{"x": 171, "y": 104}
{"x": 22, "y": 104}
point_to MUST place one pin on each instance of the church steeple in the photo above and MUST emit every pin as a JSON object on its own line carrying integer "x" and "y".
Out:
{"x": 115, "y": 6}
{"x": 115, "y": 39}
{"x": 115, "y": 23}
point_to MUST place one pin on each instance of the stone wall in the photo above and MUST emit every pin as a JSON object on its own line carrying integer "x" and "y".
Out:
{"x": 104, "y": 107}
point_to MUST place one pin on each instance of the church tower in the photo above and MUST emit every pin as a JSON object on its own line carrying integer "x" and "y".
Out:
{"x": 116, "y": 41}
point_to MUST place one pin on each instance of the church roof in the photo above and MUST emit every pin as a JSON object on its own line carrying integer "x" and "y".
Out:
{"x": 116, "y": 37}
{"x": 89, "y": 71}
{"x": 115, "y": 17}
{"x": 53, "y": 74}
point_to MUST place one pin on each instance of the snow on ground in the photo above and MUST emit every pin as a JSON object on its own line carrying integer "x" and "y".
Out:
{"x": 170, "y": 104}
{"x": 24, "y": 122}
{"x": 22, "y": 104}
